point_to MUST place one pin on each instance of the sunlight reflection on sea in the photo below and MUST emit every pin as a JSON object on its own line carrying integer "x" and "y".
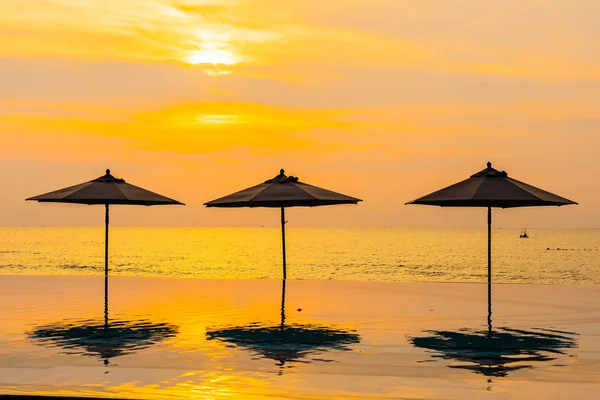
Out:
{"x": 449, "y": 255}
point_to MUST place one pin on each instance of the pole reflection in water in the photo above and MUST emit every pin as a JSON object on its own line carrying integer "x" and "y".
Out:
{"x": 496, "y": 352}
{"x": 103, "y": 339}
{"x": 285, "y": 343}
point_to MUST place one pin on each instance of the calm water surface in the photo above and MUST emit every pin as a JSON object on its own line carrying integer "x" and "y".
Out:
{"x": 168, "y": 338}
{"x": 548, "y": 256}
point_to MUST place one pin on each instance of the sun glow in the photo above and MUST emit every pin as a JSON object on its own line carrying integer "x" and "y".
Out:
{"x": 212, "y": 56}
{"x": 214, "y": 50}
{"x": 217, "y": 119}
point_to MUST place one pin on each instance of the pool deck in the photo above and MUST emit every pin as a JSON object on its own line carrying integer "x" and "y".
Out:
{"x": 156, "y": 338}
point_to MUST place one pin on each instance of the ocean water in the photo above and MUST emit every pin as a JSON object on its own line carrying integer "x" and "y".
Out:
{"x": 569, "y": 256}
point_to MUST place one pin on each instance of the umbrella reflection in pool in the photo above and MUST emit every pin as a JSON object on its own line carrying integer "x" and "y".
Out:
{"x": 496, "y": 352}
{"x": 103, "y": 339}
{"x": 286, "y": 343}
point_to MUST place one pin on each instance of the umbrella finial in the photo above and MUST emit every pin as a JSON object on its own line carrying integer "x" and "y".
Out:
{"x": 281, "y": 171}
{"x": 107, "y": 171}
{"x": 489, "y": 164}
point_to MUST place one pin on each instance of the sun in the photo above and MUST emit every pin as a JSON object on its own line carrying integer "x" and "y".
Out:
{"x": 213, "y": 50}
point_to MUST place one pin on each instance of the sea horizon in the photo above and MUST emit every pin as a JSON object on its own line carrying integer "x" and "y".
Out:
{"x": 548, "y": 256}
{"x": 116, "y": 225}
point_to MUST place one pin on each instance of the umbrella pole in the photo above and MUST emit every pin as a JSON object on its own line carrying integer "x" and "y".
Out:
{"x": 106, "y": 243}
{"x": 283, "y": 241}
{"x": 106, "y": 219}
{"x": 490, "y": 269}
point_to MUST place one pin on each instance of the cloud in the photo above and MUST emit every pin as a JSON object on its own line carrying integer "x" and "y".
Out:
{"x": 197, "y": 128}
{"x": 120, "y": 30}
{"x": 103, "y": 84}
{"x": 284, "y": 40}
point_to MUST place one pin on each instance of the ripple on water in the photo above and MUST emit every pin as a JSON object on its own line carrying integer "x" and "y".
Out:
{"x": 345, "y": 254}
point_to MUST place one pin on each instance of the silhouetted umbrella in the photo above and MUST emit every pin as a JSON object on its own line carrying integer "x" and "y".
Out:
{"x": 104, "y": 339}
{"x": 285, "y": 343}
{"x": 497, "y": 353}
{"x": 105, "y": 190}
{"x": 491, "y": 188}
{"x": 281, "y": 192}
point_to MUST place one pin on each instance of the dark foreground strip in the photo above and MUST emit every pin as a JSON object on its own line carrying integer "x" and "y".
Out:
{"x": 33, "y": 397}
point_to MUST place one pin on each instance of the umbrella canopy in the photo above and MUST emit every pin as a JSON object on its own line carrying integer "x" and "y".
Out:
{"x": 105, "y": 190}
{"x": 281, "y": 192}
{"x": 491, "y": 188}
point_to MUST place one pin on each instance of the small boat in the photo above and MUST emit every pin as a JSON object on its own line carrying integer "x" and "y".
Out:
{"x": 523, "y": 234}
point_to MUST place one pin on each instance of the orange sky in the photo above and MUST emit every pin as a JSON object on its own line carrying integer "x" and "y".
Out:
{"x": 385, "y": 100}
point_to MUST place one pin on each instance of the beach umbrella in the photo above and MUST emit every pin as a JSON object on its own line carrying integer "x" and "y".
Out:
{"x": 285, "y": 342}
{"x": 491, "y": 188}
{"x": 105, "y": 190}
{"x": 282, "y": 192}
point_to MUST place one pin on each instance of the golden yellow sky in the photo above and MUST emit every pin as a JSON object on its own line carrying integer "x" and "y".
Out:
{"x": 385, "y": 100}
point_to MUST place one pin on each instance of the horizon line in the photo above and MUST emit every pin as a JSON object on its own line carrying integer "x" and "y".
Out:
{"x": 278, "y": 227}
